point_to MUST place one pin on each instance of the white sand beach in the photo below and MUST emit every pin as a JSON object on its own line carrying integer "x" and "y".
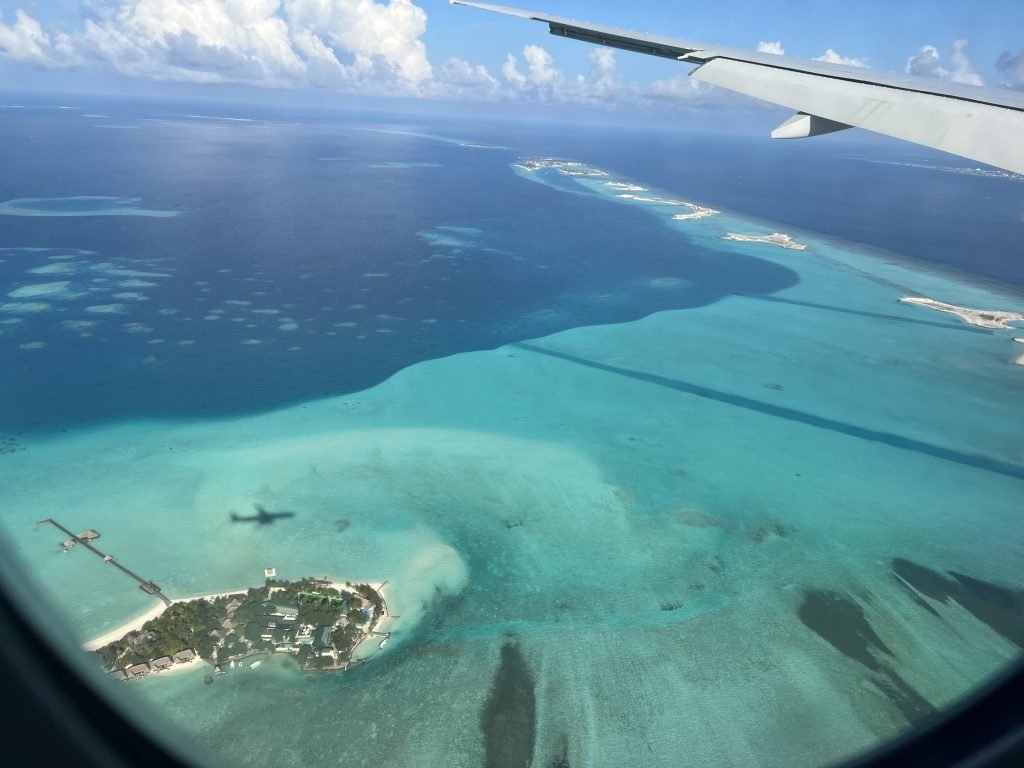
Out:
{"x": 776, "y": 238}
{"x": 983, "y": 318}
{"x": 193, "y": 665}
{"x": 137, "y": 622}
{"x": 120, "y": 631}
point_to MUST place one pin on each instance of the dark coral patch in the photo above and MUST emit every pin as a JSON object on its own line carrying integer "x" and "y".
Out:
{"x": 509, "y": 718}
{"x": 840, "y": 622}
{"x": 1000, "y": 607}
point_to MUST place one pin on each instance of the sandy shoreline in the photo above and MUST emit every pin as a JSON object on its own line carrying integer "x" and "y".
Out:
{"x": 135, "y": 623}
{"x": 776, "y": 238}
{"x": 122, "y": 630}
{"x": 983, "y": 318}
{"x": 182, "y": 666}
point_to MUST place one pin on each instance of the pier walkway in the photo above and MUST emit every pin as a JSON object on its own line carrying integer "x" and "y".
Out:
{"x": 146, "y": 586}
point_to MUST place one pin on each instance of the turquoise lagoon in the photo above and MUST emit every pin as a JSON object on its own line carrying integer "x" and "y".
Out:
{"x": 720, "y": 535}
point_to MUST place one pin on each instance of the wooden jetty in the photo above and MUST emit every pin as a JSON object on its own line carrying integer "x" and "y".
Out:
{"x": 90, "y": 535}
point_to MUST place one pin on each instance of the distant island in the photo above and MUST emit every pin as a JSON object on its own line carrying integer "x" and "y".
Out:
{"x": 567, "y": 167}
{"x": 776, "y": 238}
{"x": 696, "y": 211}
{"x": 624, "y": 189}
{"x": 318, "y": 622}
{"x": 983, "y": 318}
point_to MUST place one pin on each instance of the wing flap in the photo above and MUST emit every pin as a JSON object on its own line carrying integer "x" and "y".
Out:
{"x": 983, "y": 132}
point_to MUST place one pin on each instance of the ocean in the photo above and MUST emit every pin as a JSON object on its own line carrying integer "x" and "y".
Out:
{"x": 642, "y": 495}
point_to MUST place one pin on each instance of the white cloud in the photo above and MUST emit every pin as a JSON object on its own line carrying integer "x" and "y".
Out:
{"x": 928, "y": 63}
{"x": 26, "y": 41}
{"x": 510, "y": 71}
{"x": 366, "y": 46}
{"x": 354, "y": 44}
{"x": 683, "y": 91}
{"x": 1012, "y": 69}
{"x": 775, "y": 47}
{"x": 963, "y": 70}
{"x": 542, "y": 72}
{"x": 678, "y": 87}
{"x": 831, "y": 57}
{"x": 543, "y": 81}
{"x": 378, "y": 36}
{"x": 604, "y": 81}
{"x": 460, "y": 78}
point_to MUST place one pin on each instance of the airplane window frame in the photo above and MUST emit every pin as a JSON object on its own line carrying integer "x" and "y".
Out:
{"x": 62, "y": 712}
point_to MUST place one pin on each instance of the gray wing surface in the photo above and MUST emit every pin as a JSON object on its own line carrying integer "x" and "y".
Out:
{"x": 983, "y": 124}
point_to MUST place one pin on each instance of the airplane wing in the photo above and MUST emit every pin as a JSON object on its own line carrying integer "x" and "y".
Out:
{"x": 983, "y": 124}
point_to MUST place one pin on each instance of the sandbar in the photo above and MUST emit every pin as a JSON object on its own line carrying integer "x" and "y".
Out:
{"x": 24, "y": 306}
{"x": 696, "y": 211}
{"x": 83, "y": 205}
{"x": 775, "y": 238}
{"x": 40, "y": 289}
{"x": 983, "y": 318}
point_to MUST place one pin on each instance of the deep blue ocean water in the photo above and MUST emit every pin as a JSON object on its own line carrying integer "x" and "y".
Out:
{"x": 294, "y": 214}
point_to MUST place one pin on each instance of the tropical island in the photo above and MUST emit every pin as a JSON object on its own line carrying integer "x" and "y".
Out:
{"x": 776, "y": 238}
{"x": 318, "y": 622}
{"x": 566, "y": 167}
{"x": 696, "y": 211}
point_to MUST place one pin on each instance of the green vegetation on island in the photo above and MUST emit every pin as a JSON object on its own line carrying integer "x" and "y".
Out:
{"x": 309, "y": 619}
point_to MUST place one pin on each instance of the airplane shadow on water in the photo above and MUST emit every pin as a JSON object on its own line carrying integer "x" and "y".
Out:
{"x": 975, "y": 460}
{"x": 262, "y": 516}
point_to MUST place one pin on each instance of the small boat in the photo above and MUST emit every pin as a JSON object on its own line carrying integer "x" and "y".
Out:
{"x": 382, "y": 642}
{"x": 232, "y": 663}
{"x": 255, "y": 663}
{"x": 217, "y": 670}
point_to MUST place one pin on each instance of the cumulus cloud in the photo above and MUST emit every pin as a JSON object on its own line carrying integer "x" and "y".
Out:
{"x": 542, "y": 81}
{"x": 1012, "y": 69}
{"x": 357, "y": 44}
{"x": 831, "y": 57}
{"x": 928, "y": 63}
{"x": 683, "y": 91}
{"x": 363, "y": 46}
{"x": 460, "y": 78}
{"x": 374, "y": 34}
{"x": 604, "y": 81}
{"x": 775, "y": 47}
{"x": 26, "y": 41}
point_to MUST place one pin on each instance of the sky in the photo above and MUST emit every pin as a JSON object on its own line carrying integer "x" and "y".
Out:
{"x": 354, "y": 50}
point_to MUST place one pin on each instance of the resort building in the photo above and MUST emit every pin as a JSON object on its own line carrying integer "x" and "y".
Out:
{"x": 286, "y": 612}
{"x": 322, "y": 639}
{"x": 136, "y": 671}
